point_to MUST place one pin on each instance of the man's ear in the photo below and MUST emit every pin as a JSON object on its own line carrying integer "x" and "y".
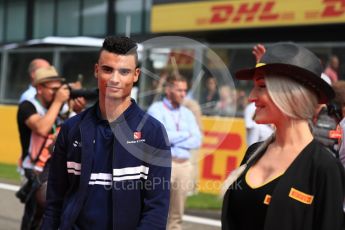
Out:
{"x": 137, "y": 74}
{"x": 39, "y": 89}
{"x": 96, "y": 70}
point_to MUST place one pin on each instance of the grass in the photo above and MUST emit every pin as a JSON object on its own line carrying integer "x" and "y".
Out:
{"x": 204, "y": 201}
{"x": 9, "y": 173}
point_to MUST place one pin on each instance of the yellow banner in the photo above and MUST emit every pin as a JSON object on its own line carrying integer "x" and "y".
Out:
{"x": 216, "y": 15}
{"x": 10, "y": 149}
{"x": 223, "y": 147}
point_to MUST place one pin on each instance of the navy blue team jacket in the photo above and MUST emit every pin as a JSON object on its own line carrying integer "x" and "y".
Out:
{"x": 141, "y": 171}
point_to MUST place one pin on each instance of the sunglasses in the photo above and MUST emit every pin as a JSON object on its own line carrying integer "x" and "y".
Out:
{"x": 54, "y": 89}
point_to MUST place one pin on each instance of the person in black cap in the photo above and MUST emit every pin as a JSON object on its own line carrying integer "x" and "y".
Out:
{"x": 289, "y": 181}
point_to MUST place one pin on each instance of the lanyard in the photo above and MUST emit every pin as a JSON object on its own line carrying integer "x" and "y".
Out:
{"x": 54, "y": 125}
{"x": 176, "y": 120}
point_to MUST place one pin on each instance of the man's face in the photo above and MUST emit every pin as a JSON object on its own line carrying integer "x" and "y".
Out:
{"x": 46, "y": 91}
{"x": 116, "y": 75}
{"x": 177, "y": 92}
{"x": 211, "y": 84}
{"x": 335, "y": 63}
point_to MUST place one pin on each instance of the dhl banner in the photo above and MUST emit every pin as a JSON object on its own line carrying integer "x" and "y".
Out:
{"x": 172, "y": 1}
{"x": 220, "y": 15}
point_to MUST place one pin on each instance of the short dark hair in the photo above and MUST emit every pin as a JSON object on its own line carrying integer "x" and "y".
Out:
{"x": 120, "y": 45}
{"x": 173, "y": 77}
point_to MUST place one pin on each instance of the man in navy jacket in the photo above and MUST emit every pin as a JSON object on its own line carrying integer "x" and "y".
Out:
{"x": 111, "y": 164}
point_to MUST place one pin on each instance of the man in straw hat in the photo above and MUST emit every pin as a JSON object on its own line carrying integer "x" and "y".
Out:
{"x": 290, "y": 181}
{"x": 34, "y": 65}
{"x": 38, "y": 120}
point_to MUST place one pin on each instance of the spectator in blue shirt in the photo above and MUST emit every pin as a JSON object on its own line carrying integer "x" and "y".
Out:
{"x": 184, "y": 134}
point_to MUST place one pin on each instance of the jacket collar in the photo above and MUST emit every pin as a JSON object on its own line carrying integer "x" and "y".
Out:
{"x": 127, "y": 114}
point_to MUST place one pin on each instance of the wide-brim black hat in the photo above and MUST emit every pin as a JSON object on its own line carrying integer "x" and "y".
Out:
{"x": 292, "y": 60}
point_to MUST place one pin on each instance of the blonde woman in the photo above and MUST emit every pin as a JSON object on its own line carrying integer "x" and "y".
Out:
{"x": 293, "y": 182}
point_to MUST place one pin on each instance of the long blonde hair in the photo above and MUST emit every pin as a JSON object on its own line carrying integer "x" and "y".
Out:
{"x": 292, "y": 98}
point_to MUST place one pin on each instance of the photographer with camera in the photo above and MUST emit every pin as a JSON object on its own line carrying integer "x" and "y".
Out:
{"x": 339, "y": 89}
{"x": 326, "y": 122}
{"x": 325, "y": 127}
{"x": 76, "y": 92}
{"x": 38, "y": 120}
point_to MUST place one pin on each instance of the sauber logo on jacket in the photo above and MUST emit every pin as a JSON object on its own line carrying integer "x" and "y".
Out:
{"x": 137, "y": 135}
{"x": 301, "y": 196}
{"x": 137, "y": 138}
